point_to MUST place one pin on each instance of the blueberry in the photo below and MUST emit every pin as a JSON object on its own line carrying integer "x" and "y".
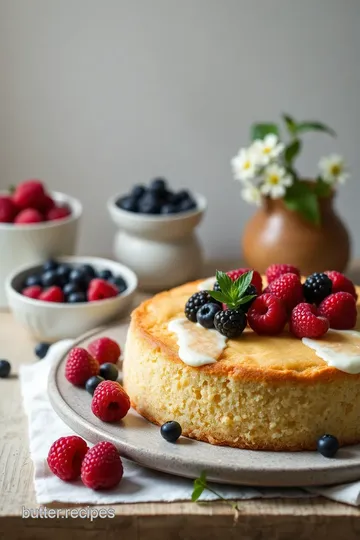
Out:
{"x": 182, "y": 195}
{"x": 50, "y": 278}
{"x": 34, "y": 279}
{"x": 137, "y": 191}
{"x": 171, "y": 431}
{"x": 186, "y": 205}
{"x": 169, "y": 209}
{"x": 105, "y": 274}
{"x": 5, "y": 368}
{"x": 79, "y": 277}
{"x": 328, "y": 445}
{"x": 76, "y": 297}
{"x": 129, "y": 204}
{"x": 109, "y": 371}
{"x": 92, "y": 383}
{"x": 63, "y": 272}
{"x": 70, "y": 288}
{"x": 88, "y": 270}
{"x": 50, "y": 264}
{"x": 41, "y": 350}
{"x": 205, "y": 315}
{"x": 149, "y": 204}
{"x": 158, "y": 185}
{"x": 119, "y": 282}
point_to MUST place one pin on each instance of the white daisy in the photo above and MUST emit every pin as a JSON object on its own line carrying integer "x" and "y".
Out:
{"x": 333, "y": 169}
{"x": 276, "y": 180}
{"x": 267, "y": 149}
{"x": 244, "y": 165}
{"x": 251, "y": 194}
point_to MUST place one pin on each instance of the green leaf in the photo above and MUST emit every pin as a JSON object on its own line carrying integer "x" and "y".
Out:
{"x": 259, "y": 131}
{"x": 202, "y": 477}
{"x": 290, "y": 124}
{"x": 302, "y": 127}
{"x": 243, "y": 281}
{"x": 322, "y": 189}
{"x": 300, "y": 197}
{"x": 197, "y": 492}
{"x": 224, "y": 281}
{"x": 218, "y": 295}
{"x": 246, "y": 298}
{"x": 291, "y": 151}
{"x": 232, "y": 292}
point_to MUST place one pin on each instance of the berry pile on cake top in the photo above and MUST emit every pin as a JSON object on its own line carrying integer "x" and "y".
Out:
{"x": 325, "y": 300}
{"x": 157, "y": 198}
{"x": 62, "y": 282}
{"x": 30, "y": 203}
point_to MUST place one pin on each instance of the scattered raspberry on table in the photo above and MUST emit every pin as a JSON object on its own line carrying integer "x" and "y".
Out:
{"x": 66, "y": 456}
{"x": 102, "y": 467}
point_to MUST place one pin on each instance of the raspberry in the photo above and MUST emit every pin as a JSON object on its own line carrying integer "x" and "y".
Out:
{"x": 267, "y": 315}
{"x": 46, "y": 204}
{"x": 276, "y": 270}
{"x": 52, "y": 294}
{"x": 59, "y": 212}
{"x": 80, "y": 366}
{"x": 288, "y": 288}
{"x": 340, "y": 309}
{"x": 99, "y": 289}
{"x": 110, "y": 402}
{"x": 105, "y": 350}
{"x": 33, "y": 291}
{"x": 341, "y": 283}
{"x": 317, "y": 287}
{"x": 102, "y": 467}
{"x": 29, "y": 194}
{"x": 306, "y": 321}
{"x": 66, "y": 456}
{"x": 28, "y": 216}
{"x": 256, "y": 279}
{"x": 7, "y": 209}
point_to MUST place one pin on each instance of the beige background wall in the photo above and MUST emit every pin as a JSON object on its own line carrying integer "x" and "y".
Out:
{"x": 98, "y": 94}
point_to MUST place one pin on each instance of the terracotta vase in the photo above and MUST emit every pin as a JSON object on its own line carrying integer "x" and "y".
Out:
{"x": 277, "y": 235}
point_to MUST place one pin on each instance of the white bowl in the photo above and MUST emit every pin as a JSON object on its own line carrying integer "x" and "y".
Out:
{"x": 29, "y": 244}
{"x": 162, "y": 249}
{"x": 50, "y": 321}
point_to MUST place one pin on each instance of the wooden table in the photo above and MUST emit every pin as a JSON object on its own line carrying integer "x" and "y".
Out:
{"x": 256, "y": 519}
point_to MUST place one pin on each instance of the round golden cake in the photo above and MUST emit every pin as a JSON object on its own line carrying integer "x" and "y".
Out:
{"x": 262, "y": 393}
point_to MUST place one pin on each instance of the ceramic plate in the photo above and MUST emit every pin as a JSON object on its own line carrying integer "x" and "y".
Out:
{"x": 140, "y": 441}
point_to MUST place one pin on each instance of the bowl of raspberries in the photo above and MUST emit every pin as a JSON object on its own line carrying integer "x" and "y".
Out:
{"x": 34, "y": 224}
{"x": 65, "y": 297}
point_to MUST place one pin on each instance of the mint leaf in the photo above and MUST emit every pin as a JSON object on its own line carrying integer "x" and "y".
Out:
{"x": 259, "y": 131}
{"x": 232, "y": 292}
{"x": 290, "y": 124}
{"x": 291, "y": 151}
{"x": 301, "y": 198}
{"x": 242, "y": 282}
{"x": 245, "y": 299}
{"x": 302, "y": 127}
{"x": 322, "y": 189}
{"x": 218, "y": 295}
{"x": 224, "y": 281}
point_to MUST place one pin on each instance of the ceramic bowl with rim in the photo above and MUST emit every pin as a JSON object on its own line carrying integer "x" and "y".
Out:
{"x": 50, "y": 321}
{"x": 28, "y": 244}
{"x": 163, "y": 250}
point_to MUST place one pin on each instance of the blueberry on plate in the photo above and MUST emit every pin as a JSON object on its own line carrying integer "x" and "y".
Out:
{"x": 328, "y": 445}
{"x": 50, "y": 278}
{"x": 109, "y": 371}
{"x": 34, "y": 279}
{"x": 205, "y": 315}
{"x": 119, "y": 282}
{"x": 137, "y": 191}
{"x": 41, "y": 350}
{"x": 92, "y": 383}
{"x": 171, "y": 431}
{"x": 76, "y": 297}
{"x": 5, "y": 368}
{"x": 158, "y": 185}
{"x": 105, "y": 274}
{"x": 130, "y": 204}
{"x": 88, "y": 270}
{"x": 149, "y": 204}
{"x": 50, "y": 264}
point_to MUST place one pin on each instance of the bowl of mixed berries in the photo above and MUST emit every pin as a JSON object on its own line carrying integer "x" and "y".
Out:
{"x": 65, "y": 297}
{"x": 156, "y": 236}
{"x": 34, "y": 224}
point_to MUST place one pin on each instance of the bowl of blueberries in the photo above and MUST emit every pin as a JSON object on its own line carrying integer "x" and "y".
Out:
{"x": 69, "y": 296}
{"x": 156, "y": 233}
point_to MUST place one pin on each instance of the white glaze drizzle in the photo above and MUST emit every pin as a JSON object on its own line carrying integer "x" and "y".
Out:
{"x": 342, "y": 356}
{"x": 207, "y": 284}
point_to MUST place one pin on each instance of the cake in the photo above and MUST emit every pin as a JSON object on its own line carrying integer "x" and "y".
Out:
{"x": 262, "y": 393}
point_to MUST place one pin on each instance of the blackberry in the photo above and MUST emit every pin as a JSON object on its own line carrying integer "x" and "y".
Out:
{"x": 317, "y": 287}
{"x": 216, "y": 287}
{"x": 195, "y": 302}
{"x": 231, "y": 322}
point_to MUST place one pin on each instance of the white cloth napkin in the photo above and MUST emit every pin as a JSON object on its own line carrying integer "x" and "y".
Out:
{"x": 138, "y": 484}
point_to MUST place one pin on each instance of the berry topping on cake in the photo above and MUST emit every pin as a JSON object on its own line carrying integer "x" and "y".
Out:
{"x": 171, "y": 431}
{"x": 80, "y": 366}
{"x": 234, "y": 294}
{"x": 66, "y": 456}
{"x": 205, "y": 315}
{"x": 287, "y": 288}
{"x": 317, "y": 287}
{"x": 256, "y": 279}
{"x": 276, "y": 270}
{"x": 110, "y": 402}
{"x": 105, "y": 350}
{"x": 267, "y": 315}
{"x": 306, "y": 321}
{"x": 230, "y": 323}
{"x": 340, "y": 309}
{"x": 102, "y": 467}
{"x": 328, "y": 445}
{"x": 195, "y": 302}
{"x": 341, "y": 283}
